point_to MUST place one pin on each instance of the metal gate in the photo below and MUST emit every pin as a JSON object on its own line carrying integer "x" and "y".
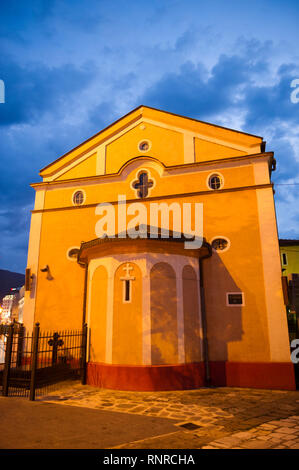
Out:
{"x": 29, "y": 363}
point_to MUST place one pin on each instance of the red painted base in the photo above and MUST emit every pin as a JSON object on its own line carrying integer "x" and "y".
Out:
{"x": 145, "y": 378}
{"x": 269, "y": 375}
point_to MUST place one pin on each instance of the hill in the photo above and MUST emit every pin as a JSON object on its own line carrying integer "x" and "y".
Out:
{"x": 9, "y": 279}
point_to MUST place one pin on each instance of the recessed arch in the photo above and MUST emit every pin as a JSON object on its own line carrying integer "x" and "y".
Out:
{"x": 192, "y": 340}
{"x": 141, "y": 160}
{"x": 98, "y": 314}
{"x": 164, "y": 323}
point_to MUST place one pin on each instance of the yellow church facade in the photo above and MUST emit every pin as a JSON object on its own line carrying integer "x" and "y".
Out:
{"x": 185, "y": 288}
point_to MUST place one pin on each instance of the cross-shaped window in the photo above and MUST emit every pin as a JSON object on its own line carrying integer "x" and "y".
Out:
{"x": 127, "y": 283}
{"x": 143, "y": 184}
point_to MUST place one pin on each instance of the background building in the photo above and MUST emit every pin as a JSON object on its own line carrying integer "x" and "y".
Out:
{"x": 289, "y": 252}
{"x": 21, "y": 304}
{"x": 10, "y": 305}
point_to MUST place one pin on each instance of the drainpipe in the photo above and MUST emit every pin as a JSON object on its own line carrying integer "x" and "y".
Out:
{"x": 204, "y": 319}
{"x": 85, "y": 265}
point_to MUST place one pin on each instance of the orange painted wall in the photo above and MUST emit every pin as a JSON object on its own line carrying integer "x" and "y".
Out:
{"x": 232, "y": 214}
{"x": 166, "y": 146}
{"x": 108, "y": 189}
{"x": 87, "y": 167}
{"x": 206, "y": 151}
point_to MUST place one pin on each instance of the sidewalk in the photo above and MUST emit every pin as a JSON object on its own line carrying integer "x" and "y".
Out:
{"x": 219, "y": 417}
{"x": 207, "y": 418}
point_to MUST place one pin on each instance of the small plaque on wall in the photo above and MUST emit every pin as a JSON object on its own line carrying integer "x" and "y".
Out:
{"x": 235, "y": 299}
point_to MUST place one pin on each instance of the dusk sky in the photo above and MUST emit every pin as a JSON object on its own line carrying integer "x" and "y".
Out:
{"x": 72, "y": 67}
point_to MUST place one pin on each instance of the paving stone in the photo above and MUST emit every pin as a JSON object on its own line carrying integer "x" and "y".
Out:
{"x": 228, "y": 441}
{"x": 177, "y": 416}
{"x": 257, "y": 444}
{"x": 138, "y": 409}
{"x": 218, "y": 445}
{"x": 243, "y": 435}
{"x": 268, "y": 426}
{"x": 164, "y": 414}
{"x": 287, "y": 430}
{"x": 275, "y": 423}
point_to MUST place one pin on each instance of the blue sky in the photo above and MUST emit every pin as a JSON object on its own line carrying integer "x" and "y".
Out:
{"x": 72, "y": 67}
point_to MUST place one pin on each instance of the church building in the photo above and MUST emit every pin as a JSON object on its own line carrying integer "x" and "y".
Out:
{"x": 160, "y": 234}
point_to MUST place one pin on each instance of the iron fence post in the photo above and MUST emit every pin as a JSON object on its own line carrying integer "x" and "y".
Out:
{"x": 20, "y": 345}
{"x": 55, "y": 345}
{"x": 83, "y": 354}
{"x": 34, "y": 356}
{"x": 7, "y": 363}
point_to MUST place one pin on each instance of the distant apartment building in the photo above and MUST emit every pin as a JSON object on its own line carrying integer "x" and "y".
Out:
{"x": 289, "y": 252}
{"x": 10, "y": 305}
{"x": 7, "y": 304}
{"x": 21, "y": 304}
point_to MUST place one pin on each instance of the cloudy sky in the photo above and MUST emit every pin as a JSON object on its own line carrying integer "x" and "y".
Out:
{"x": 71, "y": 67}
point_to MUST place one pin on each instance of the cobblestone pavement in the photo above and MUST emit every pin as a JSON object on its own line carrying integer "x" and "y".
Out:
{"x": 208, "y": 418}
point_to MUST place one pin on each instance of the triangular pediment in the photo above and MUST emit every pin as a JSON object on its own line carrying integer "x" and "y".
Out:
{"x": 172, "y": 139}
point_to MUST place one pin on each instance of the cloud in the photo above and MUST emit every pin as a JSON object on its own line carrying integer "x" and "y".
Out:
{"x": 34, "y": 89}
{"x": 197, "y": 92}
{"x": 272, "y": 103}
{"x": 14, "y": 237}
{"x": 70, "y": 69}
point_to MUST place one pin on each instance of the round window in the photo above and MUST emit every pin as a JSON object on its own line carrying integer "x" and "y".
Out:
{"x": 215, "y": 181}
{"x": 220, "y": 244}
{"x": 78, "y": 198}
{"x": 144, "y": 145}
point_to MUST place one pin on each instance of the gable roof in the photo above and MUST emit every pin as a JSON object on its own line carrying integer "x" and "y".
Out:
{"x": 185, "y": 122}
{"x": 288, "y": 242}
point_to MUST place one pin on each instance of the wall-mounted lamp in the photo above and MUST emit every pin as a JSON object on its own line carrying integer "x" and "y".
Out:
{"x": 28, "y": 279}
{"x": 46, "y": 269}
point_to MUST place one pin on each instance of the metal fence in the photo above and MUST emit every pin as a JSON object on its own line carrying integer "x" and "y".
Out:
{"x": 31, "y": 363}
